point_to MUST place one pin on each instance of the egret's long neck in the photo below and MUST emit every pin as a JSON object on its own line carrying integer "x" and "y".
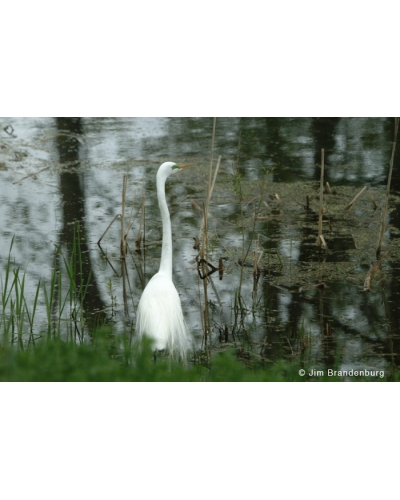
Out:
{"x": 166, "y": 251}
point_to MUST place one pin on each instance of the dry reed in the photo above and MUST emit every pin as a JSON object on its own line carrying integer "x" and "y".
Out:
{"x": 386, "y": 205}
{"x": 355, "y": 198}
{"x": 321, "y": 239}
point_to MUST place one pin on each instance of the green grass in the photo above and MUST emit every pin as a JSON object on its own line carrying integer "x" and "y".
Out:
{"x": 107, "y": 359}
{"x": 103, "y": 360}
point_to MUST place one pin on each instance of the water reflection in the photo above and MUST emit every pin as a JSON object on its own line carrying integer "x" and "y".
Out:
{"x": 306, "y": 303}
{"x": 72, "y": 191}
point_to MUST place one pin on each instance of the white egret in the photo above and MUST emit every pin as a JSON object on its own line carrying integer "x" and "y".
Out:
{"x": 159, "y": 314}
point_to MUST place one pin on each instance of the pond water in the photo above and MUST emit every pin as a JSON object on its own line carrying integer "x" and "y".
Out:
{"x": 304, "y": 302}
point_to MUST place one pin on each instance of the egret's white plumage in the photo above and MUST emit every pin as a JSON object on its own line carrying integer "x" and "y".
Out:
{"x": 159, "y": 314}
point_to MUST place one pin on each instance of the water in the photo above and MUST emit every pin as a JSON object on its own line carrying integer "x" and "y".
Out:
{"x": 306, "y": 304}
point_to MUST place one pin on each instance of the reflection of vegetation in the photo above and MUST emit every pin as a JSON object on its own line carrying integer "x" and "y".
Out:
{"x": 14, "y": 301}
{"x": 113, "y": 298}
{"x": 240, "y": 309}
{"x": 105, "y": 356}
{"x": 17, "y": 318}
{"x": 307, "y": 286}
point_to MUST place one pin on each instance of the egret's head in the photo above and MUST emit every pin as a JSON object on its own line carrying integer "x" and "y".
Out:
{"x": 168, "y": 168}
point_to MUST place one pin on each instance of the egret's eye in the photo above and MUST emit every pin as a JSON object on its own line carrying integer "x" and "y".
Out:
{"x": 174, "y": 166}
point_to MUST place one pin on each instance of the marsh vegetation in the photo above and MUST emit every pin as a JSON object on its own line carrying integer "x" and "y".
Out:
{"x": 264, "y": 296}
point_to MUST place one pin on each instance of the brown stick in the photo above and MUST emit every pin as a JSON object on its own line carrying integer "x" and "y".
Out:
{"x": 371, "y": 273}
{"x": 204, "y": 249}
{"x": 321, "y": 202}
{"x": 385, "y": 208}
{"x": 123, "y": 242}
{"x": 323, "y": 242}
{"x": 355, "y": 198}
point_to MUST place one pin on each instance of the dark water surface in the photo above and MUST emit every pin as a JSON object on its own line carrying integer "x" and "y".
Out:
{"x": 307, "y": 303}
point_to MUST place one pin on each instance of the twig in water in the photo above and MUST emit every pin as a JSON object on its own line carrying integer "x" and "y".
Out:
{"x": 31, "y": 175}
{"x": 371, "y": 273}
{"x": 321, "y": 240}
{"x": 221, "y": 269}
{"x": 123, "y": 241}
{"x": 108, "y": 227}
{"x": 385, "y": 208}
{"x": 204, "y": 226}
{"x": 355, "y": 198}
{"x": 142, "y": 225}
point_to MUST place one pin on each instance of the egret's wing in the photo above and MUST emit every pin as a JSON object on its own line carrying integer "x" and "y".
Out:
{"x": 160, "y": 316}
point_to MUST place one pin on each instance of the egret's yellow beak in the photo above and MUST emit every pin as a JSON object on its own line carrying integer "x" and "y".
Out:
{"x": 185, "y": 165}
